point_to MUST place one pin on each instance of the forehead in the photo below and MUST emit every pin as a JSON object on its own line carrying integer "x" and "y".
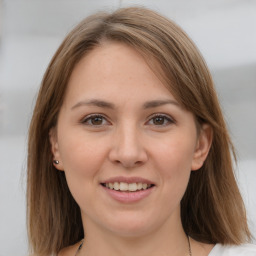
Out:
{"x": 114, "y": 67}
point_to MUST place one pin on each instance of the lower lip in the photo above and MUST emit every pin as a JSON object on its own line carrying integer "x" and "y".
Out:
{"x": 128, "y": 197}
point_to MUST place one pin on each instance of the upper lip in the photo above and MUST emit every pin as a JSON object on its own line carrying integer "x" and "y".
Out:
{"x": 127, "y": 180}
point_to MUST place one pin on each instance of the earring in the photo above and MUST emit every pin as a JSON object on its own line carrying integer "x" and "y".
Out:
{"x": 55, "y": 161}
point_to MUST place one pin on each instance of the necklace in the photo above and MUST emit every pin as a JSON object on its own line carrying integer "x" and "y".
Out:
{"x": 80, "y": 246}
{"x": 189, "y": 247}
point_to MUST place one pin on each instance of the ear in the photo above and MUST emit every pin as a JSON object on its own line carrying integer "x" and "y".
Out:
{"x": 204, "y": 142}
{"x": 55, "y": 149}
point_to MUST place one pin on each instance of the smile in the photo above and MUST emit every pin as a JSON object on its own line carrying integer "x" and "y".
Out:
{"x": 127, "y": 187}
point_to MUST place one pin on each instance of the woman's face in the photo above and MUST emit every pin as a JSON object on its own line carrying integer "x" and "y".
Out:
{"x": 125, "y": 144}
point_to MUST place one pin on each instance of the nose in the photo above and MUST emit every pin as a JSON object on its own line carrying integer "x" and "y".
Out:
{"x": 127, "y": 148}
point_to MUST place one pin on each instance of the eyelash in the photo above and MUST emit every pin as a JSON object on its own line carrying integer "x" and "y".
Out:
{"x": 168, "y": 120}
{"x": 88, "y": 120}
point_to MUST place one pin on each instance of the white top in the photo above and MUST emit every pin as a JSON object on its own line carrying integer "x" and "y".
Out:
{"x": 233, "y": 250}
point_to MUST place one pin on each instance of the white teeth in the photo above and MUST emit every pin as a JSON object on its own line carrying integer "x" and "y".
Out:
{"x": 132, "y": 187}
{"x": 116, "y": 186}
{"x": 139, "y": 186}
{"x": 123, "y": 186}
{"x": 144, "y": 186}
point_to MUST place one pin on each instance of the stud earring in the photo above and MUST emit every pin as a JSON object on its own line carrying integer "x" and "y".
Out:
{"x": 55, "y": 161}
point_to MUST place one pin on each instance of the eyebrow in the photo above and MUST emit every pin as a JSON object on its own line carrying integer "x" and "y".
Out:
{"x": 94, "y": 102}
{"x": 105, "y": 104}
{"x": 158, "y": 103}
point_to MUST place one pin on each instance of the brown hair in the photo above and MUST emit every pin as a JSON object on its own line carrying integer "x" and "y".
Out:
{"x": 212, "y": 209}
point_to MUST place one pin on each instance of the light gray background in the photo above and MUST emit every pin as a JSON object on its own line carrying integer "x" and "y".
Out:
{"x": 30, "y": 32}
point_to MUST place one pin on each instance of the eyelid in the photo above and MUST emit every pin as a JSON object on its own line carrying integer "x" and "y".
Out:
{"x": 86, "y": 118}
{"x": 170, "y": 119}
{"x": 90, "y": 116}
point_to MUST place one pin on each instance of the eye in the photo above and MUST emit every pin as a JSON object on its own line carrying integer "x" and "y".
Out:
{"x": 95, "y": 120}
{"x": 160, "y": 120}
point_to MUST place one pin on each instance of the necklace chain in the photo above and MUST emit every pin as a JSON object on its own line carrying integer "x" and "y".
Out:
{"x": 80, "y": 246}
{"x": 189, "y": 247}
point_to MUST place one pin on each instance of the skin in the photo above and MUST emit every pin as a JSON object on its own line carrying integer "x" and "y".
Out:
{"x": 127, "y": 139}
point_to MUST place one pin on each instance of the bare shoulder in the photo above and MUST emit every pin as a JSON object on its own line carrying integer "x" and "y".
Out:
{"x": 241, "y": 250}
{"x": 69, "y": 251}
{"x": 199, "y": 248}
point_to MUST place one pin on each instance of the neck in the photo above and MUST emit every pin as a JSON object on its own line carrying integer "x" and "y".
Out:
{"x": 169, "y": 239}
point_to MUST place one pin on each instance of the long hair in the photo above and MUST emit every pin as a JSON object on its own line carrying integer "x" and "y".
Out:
{"x": 212, "y": 210}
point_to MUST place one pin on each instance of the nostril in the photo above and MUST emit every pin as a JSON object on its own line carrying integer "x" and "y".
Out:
{"x": 129, "y": 154}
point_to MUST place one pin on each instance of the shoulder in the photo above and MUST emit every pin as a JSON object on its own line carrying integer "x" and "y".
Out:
{"x": 69, "y": 251}
{"x": 233, "y": 250}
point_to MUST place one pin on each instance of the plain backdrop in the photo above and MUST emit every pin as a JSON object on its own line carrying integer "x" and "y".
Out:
{"x": 30, "y": 32}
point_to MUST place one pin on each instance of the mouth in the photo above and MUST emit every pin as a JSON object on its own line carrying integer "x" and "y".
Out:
{"x": 128, "y": 190}
{"x": 127, "y": 187}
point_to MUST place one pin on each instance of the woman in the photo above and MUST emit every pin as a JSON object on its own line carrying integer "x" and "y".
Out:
{"x": 128, "y": 150}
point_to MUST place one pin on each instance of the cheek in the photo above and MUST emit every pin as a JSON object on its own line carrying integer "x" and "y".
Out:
{"x": 175, "y": 155}
{"x": 82, "y": 161}
{"x": 81, "y": 155}
{"x": 173, "y": 160}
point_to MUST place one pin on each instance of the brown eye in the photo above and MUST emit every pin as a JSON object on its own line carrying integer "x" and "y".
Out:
{"x": 159, "y": 120}
{"x": 95, "y": 120}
